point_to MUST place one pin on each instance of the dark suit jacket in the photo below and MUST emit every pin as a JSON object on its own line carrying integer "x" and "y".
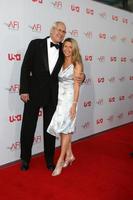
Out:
{"x": 35, "y": 77}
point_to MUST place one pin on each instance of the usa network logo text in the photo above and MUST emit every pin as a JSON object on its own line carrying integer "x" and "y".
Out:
{"x": 14, "y": 118}
{"x": 89, "y": 11}
{"x": 75, "y": 8}
{"x": 18, "y": 117}
{"x": 37, "y": 1}
{"x": 14, "y": 57}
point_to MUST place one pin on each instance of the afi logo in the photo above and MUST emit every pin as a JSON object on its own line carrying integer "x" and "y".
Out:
{"x": 101, "y": 59}
{"x": 14, "y": 146}
{"x": 13, "y": 25}
{"x": 110, "y": 118}
{"x": 87, "y": 81}
{"x": 130, "y": 112}
{"x": 74, "y": 33}
{"x": 102, "y": 35}
{"x": 86, "y": 125}
{"x": 123, "y": 39}
{"x": 16, "y": 57}
{"x": 37, "y": 139}
{"x": 75, "y": 8}
{"x": 37, "y": 1}
{"x": 99, "y": 121}
{"x": 99, "y": 101}
{"x": 88, "y": 35}
{"x": 112, "y": 79}
{"x": 130, "y": 96}
{"x": 87, "y": 104}
{"x": 57, "y": 4}
{"x": 131, "y": 78}
{"x": 89, "y": 11}
{"x": 122, "y": 78}
{"x": 121, "y": 98}
{"x": 113, "y": 38}
{"x": 111, "y": 99}
{"x": 120, "y": 116}
{"x": 125, "y": 21}
{"x": 123, "y": 59}
{"x": 113, "y": 58}
{"x": 14, "y": 88}
{"x": 36, "y": 27}
{"x": 103, "y": 15}
{"x": 115, "y": 18}
{"x": 132, "y": 40}
{"x": 101, "y": 80}
{"x": 88, "y": 58}
{"x": 131, "y": 60}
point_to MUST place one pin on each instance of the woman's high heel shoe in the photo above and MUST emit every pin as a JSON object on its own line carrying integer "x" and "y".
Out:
{"x": 58, "y": 169}
{"x": 68, "y": 161}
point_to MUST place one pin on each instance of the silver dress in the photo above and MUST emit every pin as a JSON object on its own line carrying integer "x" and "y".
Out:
{"x": 61, "y": 121}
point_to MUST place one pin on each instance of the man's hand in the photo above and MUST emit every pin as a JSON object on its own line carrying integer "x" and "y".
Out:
{"x": 24, "y": 97}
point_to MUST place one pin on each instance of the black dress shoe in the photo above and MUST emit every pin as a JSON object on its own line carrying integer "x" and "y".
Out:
{"x": 131, "y": 154}
{"x": 51, "y": 167}
{"x": 24, "y": 165}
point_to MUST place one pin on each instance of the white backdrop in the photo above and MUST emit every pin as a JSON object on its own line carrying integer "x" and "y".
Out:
{"x": 105, "y": 37}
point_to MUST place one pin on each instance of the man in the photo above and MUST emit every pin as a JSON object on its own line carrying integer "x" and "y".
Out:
{"x": 39, "y": 88}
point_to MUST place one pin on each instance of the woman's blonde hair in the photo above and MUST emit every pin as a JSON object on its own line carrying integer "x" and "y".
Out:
{"x": 76, "y": 56}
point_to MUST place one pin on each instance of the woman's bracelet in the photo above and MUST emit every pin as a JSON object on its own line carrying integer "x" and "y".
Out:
{"x": 74, "y": 102}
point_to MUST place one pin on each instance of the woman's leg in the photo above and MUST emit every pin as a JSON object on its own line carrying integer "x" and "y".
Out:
{"x": 69, "y": 149}
{"x": 65, "y": 140}
{"x": 69, "y": 155}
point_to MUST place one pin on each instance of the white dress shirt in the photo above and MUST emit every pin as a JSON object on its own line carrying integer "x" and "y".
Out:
{"x": 53, "y": 55}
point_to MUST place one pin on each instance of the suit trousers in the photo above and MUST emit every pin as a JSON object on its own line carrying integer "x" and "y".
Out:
{"x": 29, "y": 122}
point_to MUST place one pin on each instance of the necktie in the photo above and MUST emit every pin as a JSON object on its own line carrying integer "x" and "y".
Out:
{"x": 54, "y": 45}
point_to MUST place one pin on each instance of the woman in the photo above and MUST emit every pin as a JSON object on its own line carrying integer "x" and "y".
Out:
{"x": 63, "y": 121}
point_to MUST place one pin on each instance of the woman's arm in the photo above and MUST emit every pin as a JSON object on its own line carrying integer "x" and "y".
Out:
{"x": 77, "y": 71}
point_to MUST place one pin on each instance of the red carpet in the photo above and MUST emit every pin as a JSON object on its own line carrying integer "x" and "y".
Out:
{"x": 102, "y": 171}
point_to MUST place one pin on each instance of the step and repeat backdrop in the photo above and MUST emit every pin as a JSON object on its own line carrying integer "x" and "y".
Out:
{"x": 105, "y": 37}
